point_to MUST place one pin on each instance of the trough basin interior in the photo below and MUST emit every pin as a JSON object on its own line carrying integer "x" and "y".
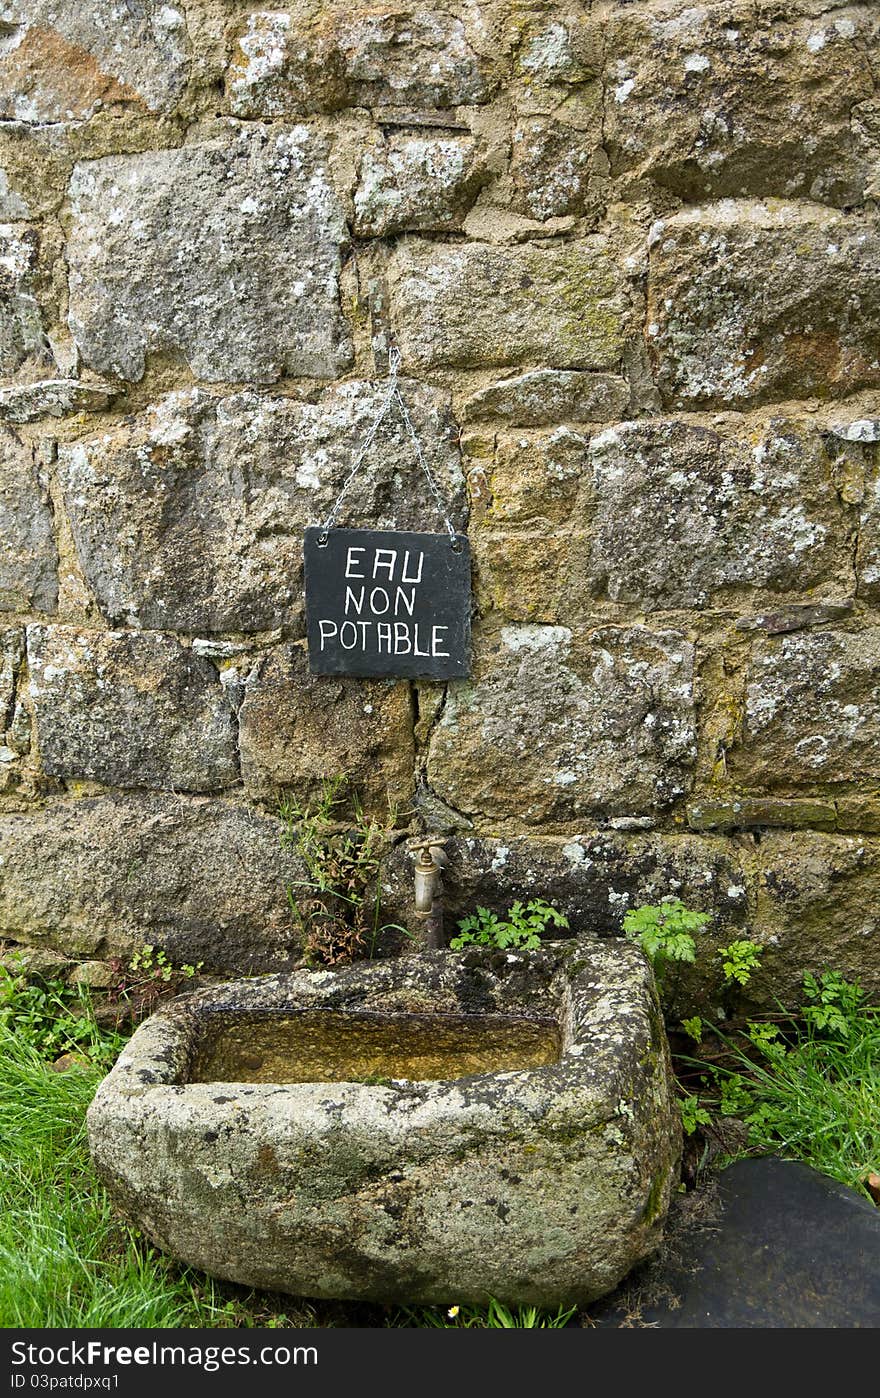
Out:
{"x": 329, "y": 1045}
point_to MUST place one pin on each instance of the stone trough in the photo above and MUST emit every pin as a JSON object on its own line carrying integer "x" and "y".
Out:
{"x": 438, "y": 1128}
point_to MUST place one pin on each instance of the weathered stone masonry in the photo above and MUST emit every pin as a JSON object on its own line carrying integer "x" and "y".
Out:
{"x": 630, "y": 255}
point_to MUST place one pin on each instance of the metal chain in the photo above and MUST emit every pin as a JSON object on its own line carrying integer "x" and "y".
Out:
{"x": 435, "y": 489}
{"x": 392, "y": 395}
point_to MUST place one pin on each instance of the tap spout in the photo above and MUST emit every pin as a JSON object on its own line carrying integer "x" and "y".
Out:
{"x": 427, "y": 881}
{"x": 428, "y": 891}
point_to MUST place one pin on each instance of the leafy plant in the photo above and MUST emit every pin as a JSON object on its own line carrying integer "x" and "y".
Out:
{"x": 693, "y": 1114}
{"x": 521, "y": 929}
{"x": 338, "y": 909}
{"x": 766, "y": 1038}
{"x": 53, "y": 1018}
{"x": 693, "y": 1027}
{"x": 665, "y": 933}
{"x": 739, "y": 960}
{"x": 145, "y": 979}
{"x": 834, "y": 1004}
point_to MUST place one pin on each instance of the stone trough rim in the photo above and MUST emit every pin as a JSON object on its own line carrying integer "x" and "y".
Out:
{"x": 177, "y": 1020}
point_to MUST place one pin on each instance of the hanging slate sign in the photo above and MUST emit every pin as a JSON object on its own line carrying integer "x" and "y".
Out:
{"x": 387, "y": 602}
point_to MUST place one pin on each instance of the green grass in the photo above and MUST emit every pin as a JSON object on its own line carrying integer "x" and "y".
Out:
{"x": 807, "y": 1087}
{"x": 65, "y": 1259}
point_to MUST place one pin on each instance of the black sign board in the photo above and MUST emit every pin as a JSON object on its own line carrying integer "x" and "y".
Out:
{"x": 386, "y": 602}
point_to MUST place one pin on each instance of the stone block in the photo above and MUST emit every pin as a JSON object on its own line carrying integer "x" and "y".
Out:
{"x": 663, "y": 514}
{"x": 597, "y": 876}
{"x": 720, "y": 100}
{"x": 22, "y": 340}
{"x": 408, "y": 56}
{"x": 684, "y": 516}
{"x": 11, "y": 655}
{"x": 18, "y": 732}
{"x": 559, "y": 50}
{"x": 416, "y": 183}
{"x": 760, "y": 813}
{"x": 96, "y": 975}
{"x": 858, "y": 813}
{"x": 557, "y": 724}
{"x": 35, "y": 163}
{"x": 28, "y": 555}
{"x": 865, "y": 430}
{"x": 227, "y": 253}
{"x": 14, "y": 719}
{"x": 532, "y": 577}
{"x": 465, "y": 305}
{"x": 318, "y": 59}
{"x": 63, "y": 62}
{"x": 297, "y": 728}
{"x": 807, "y": 324}
{"x": 37, "y": 159}
{"x": 818, "y": 909}
{"x": 537, "y": 480}
{"x": 796, "y": 616}
{"x": 551, "y": 164}
{"x": 282, "y": 67}
{"x": 204, "y": 878}
{"x": 868, "y": 541}
{"x": 35, "y": 964}
{"x": 545, "y": 397}
{"x": 129, "y": 709}
{"x": 52, "y": 398}
{"x": 812, "y": 712}
{"x": 190, "y": 516}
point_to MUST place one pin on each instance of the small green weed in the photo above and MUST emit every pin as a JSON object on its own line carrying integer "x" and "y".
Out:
{"x": 765, "y": 1036}
{"x": 693, "y": 1114}
{"x": 834, "y": 1004}
{"x": 148, "y": 964}
{"x": 147, "y": 977}
{"x": 739, "y": 961}
{"x": 521, "y": 929}
{"x": 665, "y": 933}
{"x": 54, "y": 1018}
{"x": 338, "y": 908}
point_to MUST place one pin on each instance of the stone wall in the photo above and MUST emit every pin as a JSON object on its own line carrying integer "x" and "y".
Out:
{"x": 630, "y": 255}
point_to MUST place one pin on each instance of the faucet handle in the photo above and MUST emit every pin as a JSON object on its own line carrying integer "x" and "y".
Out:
{"x": 435, "y": 849}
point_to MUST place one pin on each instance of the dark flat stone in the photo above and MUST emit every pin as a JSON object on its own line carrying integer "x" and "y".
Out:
{"x": 779, "y": 1246}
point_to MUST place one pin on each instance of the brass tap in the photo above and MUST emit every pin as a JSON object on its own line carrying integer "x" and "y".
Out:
{"x": 427, "y": 876}
{"x": 428, "y": 903}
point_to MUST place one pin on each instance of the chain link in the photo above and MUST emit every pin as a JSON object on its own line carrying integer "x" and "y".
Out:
{"x": 392, "y": 395}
